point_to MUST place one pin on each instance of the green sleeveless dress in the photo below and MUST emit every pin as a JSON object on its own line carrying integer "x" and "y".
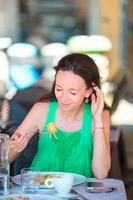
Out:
{"x": 70, "y": 152}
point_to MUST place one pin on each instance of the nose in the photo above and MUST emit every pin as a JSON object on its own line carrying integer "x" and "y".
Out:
{"x": 64, "y": 97}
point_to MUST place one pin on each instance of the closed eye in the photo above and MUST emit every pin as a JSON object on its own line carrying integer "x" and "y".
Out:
{"x": 57, "y": 89}
{"x": 73, "y": 93}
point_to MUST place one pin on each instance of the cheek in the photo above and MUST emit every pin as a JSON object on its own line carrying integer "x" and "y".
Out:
{"x": 57, "y": 95}
{"x": 79, "y": 99}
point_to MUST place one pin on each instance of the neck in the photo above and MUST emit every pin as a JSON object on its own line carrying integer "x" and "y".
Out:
{"x": 71, "y": 115}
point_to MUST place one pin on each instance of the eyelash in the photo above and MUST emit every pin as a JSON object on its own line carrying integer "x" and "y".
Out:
{"x": 59, "y": 90}
{"x": 73, "y": 93}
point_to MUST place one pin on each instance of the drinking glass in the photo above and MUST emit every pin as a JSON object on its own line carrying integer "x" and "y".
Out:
{"x": 30, "y": 180}
{"x": 4, "y": 164}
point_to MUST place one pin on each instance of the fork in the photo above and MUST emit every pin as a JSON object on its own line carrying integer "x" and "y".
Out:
{"x": 37, "y": 131}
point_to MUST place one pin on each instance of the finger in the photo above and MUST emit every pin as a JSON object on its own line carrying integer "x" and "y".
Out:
{"x": 93, "y": 98}
{"x": 20, "y": 146}
{"x": 97, "y": 89}
{"x": 99, "y": 93}
{"x": 23, "y": 140}
{"x": 18, "y": 141}
{"x": 19, "y": 136}
{"x": 16, "y": 136}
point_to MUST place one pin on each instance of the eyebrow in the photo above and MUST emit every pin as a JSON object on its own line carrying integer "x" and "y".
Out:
{"x": 69, "y": 89}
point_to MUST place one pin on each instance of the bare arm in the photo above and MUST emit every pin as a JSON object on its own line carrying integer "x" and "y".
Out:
{"x": 101, "y": 152}
{"x": 34, "y": 120}
{"x": 101, "y": 160}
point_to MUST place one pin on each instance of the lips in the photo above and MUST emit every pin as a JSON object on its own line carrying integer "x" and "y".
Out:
{"x": 64, "y": 105}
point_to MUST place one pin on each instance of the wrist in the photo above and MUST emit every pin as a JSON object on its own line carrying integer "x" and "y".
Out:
{"x": 98, "y": 123}
{"x": 99, "y": 127}
{"x": 98, "y": 130}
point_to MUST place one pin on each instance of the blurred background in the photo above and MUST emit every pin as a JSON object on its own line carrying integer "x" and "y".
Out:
{"x": 35, "y": 34}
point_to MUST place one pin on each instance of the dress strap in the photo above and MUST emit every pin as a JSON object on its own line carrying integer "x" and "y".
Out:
{"x": 86, "y": 131}
{"x": 51, "y": 113}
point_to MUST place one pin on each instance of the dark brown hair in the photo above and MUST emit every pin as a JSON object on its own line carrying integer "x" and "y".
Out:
{"x": 79, "y": 64}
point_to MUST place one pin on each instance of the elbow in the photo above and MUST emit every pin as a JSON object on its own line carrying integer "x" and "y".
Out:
{"x": 101, "y": 173}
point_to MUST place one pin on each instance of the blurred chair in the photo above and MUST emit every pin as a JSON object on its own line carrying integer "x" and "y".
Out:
{"x": 117, "y": 152}
{"x": 118, "y": 158}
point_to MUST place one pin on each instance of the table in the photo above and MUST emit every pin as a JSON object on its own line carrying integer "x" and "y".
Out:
{"x": 119, "y": 194}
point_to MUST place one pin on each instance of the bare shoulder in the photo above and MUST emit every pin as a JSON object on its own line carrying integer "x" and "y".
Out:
{"x": 40, "y": 107}
{"x": 35, "y": 119}
{"x": 41, "y": 111}
{"x": 38, "y": 114}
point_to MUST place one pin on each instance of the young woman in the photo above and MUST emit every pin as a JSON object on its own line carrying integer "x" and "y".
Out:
{"x": 82, "y": 119}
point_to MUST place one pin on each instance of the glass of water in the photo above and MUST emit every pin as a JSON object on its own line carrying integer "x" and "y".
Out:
{"x": 4, "y": 183}
{"x": 4, "y": 164}
{"x": 30, "y": 180}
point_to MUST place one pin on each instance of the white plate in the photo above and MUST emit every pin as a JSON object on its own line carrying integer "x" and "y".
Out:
{"x": 32, "y": 197}
{"x": 78, "y": 179}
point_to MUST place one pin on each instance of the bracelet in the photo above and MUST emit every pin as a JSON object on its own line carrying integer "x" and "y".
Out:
{"x": 99, "y": 127}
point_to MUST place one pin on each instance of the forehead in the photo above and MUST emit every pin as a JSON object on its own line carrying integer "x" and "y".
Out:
{"x": 70, "y": 79}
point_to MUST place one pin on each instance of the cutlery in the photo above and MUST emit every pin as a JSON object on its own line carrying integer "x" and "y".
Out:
{"x": 79, "y": 195}
{"x": 37, "y": 131}
{"x": 34, "y": 131}
{"x": 45, "y": 131}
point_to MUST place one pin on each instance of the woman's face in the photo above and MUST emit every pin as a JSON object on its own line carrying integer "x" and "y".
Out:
{"x": 70, "y": 90}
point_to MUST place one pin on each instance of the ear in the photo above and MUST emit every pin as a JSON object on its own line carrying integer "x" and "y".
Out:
{"x": 88, "y": 92}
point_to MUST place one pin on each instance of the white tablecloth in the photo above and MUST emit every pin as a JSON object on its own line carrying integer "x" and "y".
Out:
{"x": 119, "y": 194}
